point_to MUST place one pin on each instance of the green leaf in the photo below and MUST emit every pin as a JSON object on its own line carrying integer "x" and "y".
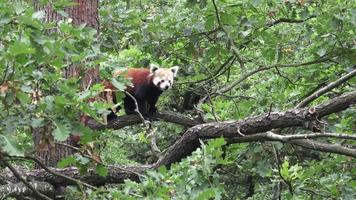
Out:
{"x": 20, "y": 48}
{"x": 83, "y": 160}
{"x": 23, "y": 97}
{"x": 119, "y": 85}
{"x": 26, "y": 88}
{"x": 39, "y": 14}
{"x": 207, "y": 194}
{"x": 321, "y": 52}
{"x": 10, "y": 147}
{"x": 38, "y": 122}
{"x": 285, "y": 170}
{"x": 67, "y": 161}
{"x": 209, "y": 23}
{"x": 62, "y": 132}
{"x": 101, "y": 170}
{"x": 226, "y": 18}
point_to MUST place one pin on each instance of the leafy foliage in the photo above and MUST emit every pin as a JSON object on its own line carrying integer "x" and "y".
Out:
{"x": 280, "y": 51}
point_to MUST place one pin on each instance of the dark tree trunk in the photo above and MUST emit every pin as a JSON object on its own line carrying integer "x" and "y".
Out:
{"x": 85, "y": 12}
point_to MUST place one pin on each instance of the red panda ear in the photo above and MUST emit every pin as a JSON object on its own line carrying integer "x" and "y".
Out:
{"x": 153, "y": 68}
{"x": 174, "y": 70}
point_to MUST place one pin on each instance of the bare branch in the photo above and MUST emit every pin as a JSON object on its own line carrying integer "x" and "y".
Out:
{"x": 326, "y": 89}
{"x": 286, "y": 20}
{"x": 151, "y": 134}
{"x": 302, "y": 140}
{"x": 286, "y": 138}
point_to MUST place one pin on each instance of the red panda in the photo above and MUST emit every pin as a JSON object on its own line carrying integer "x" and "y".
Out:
{"x": 147, "y": 86}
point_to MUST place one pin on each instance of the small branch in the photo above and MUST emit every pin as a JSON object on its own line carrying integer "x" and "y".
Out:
{"x": 214, "y": 76}
{"x": 260, "y": 69}
{"x": 137, "y": 109}
{"x": 283, "y": 76}
{"x": 278, "y": 160}
{"x": 20, "y": 178}
{"x": 149, "y": 130}
{"x": 286, "y": 20}
{"x": 326, "y": 89}
{"x": 151, "y": 134}
{"x": 217, "y": 14}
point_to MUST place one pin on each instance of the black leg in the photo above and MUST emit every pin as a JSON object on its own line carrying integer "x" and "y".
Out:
{"x": 129, "y": 105}
{"x": 142, "y": 107}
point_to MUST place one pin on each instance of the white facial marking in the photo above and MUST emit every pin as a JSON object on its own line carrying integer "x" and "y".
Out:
{"x": 163, "y": 78}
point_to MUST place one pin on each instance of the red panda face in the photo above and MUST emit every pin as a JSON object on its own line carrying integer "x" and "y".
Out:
{"x": 163, "y": 78}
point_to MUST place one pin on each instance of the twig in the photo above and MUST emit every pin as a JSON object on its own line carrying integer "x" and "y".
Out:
{"x": 270, "y": 110}
{"x": 137, "y": 109}
{"x": 315, "y": 193}
{"x": 286, "y": 20}
{"x": 283, "y": 76}
{"x": 20, "y": 178}
{"x": 278, "y": 160}
{"x": 150, "y": 132}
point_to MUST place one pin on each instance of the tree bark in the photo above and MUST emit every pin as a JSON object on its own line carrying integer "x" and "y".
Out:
{"x": 84, "y": 12}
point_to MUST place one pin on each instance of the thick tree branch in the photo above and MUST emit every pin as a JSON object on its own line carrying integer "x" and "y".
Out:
{"x": 265, "y": 122}
{"x": 128, "y": 120}
{"x": 23, "y": 180}
{"x": 229, "y": 130}
{"x": 20, "y": 189}
{"x": 326, "y": 89}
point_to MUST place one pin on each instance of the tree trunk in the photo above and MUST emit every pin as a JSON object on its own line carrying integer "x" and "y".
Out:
{"x": 85, "y": 12}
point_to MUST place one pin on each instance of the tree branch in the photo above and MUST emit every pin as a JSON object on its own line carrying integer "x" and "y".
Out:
{"x": 326, "y": 89}
{"x": 302, "y": 140}
{"x": 232, "y": 129}
{"x": 20, "y": 178}
{"x": 249, "y": 127}
{"x": 128, "y": 120}
{"x": 20, "y": 189}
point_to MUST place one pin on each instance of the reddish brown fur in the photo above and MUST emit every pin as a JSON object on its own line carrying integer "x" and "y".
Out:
{"x": 138, "y": 76}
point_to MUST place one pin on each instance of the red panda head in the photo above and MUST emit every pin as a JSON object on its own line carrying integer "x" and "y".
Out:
{"x": 162, "y": 77}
